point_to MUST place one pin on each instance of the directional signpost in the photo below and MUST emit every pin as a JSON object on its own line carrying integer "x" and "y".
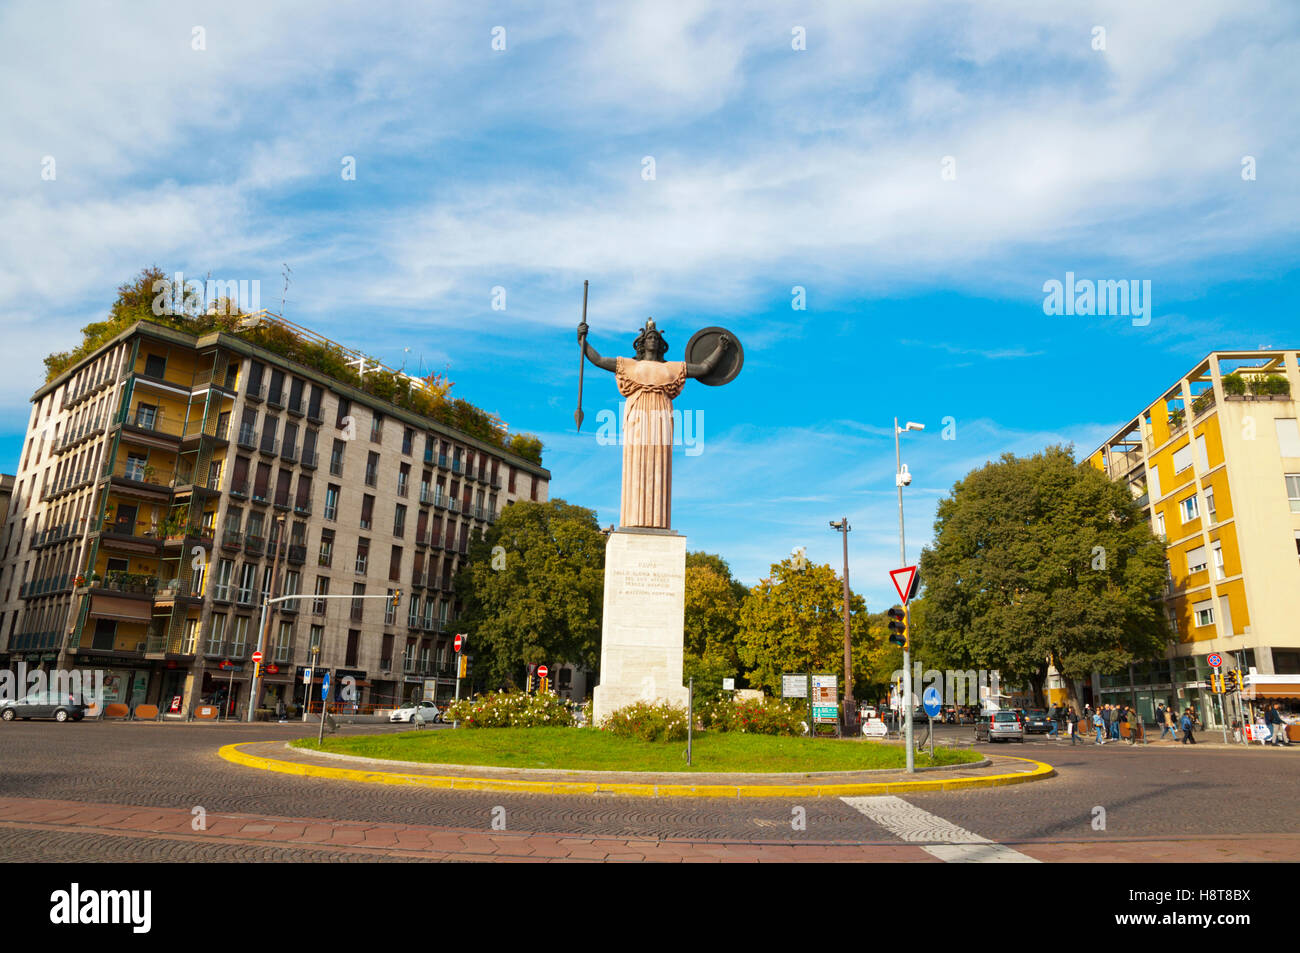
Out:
{"x": 824, "y": 702}
{"x": 1216, "y": 663}
{"x": 457, "y": 644}
{"x": 932, "y": 702}
{"x": 324, "y": 697}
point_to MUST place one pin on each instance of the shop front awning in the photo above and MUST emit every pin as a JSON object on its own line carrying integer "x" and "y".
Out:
{"x": 124, "y": 610}
{"x": 1272, "y": 686}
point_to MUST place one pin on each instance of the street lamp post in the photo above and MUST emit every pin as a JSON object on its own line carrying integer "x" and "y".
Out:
{"x": 262, "y": 638}
{"x": 901, "y": 479}
{"x": 843, "y": 527}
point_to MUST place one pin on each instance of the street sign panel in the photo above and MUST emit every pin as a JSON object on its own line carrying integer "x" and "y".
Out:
{"x": 306, "y": 676}
{"x": 325, "y": 686}
{"x": 794, "y": 686}
{"x": 904, "y": 581}
{"x": 824, "y": 701}
{"x": 932, "y": 701}
{"x": 542, "y": 671}
{"x": 457, "y": 642}
{"x": 1216, "y": 661}
{"x": 257, "y": 656}
{"x": 728, "y": 684}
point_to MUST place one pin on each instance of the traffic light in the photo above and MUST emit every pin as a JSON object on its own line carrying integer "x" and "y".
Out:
{"x": 1231, "y": 681}
{"x": 1216, "y": 683}
{"x": 397, "y": 598}
{"x": 898, "y": 626}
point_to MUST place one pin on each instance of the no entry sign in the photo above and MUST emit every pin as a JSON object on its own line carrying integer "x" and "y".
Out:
{"x": 542, "y": 671}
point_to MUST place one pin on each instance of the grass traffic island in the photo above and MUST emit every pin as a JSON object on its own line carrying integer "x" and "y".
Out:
{"x": 576, "y": 749}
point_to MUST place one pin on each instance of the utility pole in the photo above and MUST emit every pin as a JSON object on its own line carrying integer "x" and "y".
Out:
{"x": 902, "y": 478}
{"x": 262, "y": 638}
{"x": 843, "y": 527}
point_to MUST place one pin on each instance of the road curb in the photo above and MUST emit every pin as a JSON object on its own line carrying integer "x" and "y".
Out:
{"x": 1041, "y": 771}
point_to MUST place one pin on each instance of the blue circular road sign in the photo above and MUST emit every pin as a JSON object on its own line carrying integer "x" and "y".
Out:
{"x": 932, "y": 701}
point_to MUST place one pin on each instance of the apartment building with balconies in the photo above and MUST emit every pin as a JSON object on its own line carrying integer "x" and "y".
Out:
{"x": 1215, "y": 465}
{"x": 165, "y": 476}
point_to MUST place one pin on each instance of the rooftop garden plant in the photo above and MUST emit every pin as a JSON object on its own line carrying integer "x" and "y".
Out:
{"x": 135, "y": 302}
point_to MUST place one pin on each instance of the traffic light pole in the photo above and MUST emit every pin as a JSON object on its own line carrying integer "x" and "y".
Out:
{"x": 266, "y": 606}
{"x": 907, "y": 655}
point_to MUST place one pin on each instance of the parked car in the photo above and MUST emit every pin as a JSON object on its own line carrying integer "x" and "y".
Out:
{"x": 1036, "y": 720}
{"x": 430, "y": 712}
{"x": 47, "y": 704}
{"x": 999, "y": 726}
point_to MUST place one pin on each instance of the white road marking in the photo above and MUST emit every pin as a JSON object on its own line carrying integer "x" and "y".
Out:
{"x": 934, "y": 835}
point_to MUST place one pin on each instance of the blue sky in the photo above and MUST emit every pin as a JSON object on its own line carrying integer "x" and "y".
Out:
{"x": 821, "y": 168}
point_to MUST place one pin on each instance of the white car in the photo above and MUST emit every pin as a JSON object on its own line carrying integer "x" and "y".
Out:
{"x": 428, "y": 711}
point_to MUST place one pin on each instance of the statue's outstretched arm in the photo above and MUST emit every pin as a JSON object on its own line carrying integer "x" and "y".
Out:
{"x": 710, "y": 362}
{"x": 604, "y": 363}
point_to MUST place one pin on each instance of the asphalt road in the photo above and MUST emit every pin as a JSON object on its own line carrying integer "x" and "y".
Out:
{"x": 1170, "y": 794}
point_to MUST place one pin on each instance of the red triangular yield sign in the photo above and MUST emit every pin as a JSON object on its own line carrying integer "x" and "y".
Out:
{"x": 902, "y": 579}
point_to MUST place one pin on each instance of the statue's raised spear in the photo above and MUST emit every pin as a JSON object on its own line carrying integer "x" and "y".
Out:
{"x": 582, "y": 357}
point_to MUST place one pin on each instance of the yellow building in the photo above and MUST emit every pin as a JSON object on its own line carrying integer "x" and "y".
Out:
{"x": 1215, "y": 464}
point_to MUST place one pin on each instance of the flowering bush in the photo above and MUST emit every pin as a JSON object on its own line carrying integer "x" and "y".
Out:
{"x": 649, "y": 722}
{"x": 511, "y": 710}
{"x": 752, "y": 716}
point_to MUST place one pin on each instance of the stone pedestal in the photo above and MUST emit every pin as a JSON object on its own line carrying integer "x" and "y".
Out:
{"x": 641, "y": 632}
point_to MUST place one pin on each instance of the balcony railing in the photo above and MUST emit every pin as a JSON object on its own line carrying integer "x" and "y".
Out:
{"x": 86, "y": 429}
{"x": 247, "y": 437}
{"x": 45, "y": 586}
{"x": 232, "y": 539}
{"x": 152, "y": 421}
{"x": 254, "y": 545}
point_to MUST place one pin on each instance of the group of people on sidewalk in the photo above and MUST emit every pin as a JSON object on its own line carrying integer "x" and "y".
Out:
{"x": 1107, "y": 719}
{"x": 1179, "y": 726}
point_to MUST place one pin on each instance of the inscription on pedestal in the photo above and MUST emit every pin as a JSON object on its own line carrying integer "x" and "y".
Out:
{"x": 641, "y": 638}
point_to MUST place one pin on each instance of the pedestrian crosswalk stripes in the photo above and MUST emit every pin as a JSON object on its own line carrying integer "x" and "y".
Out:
{"x": 933, "y": 834}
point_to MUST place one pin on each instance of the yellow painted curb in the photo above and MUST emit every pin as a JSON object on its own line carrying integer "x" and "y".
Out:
{"x": 232, "y": 753}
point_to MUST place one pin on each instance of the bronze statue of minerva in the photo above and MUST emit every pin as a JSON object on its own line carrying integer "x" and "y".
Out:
{"x": 649, "y": 383}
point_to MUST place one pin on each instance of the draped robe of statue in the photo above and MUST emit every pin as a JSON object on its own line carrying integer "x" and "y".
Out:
{"x": 649, "y": 387}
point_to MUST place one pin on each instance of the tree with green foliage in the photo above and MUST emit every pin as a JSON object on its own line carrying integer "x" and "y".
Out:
{"x": 532, "y": 589}
{"x": 1039, "y": 560}
{"x": 793, "y": 622}
{"x": 713, "y": 600}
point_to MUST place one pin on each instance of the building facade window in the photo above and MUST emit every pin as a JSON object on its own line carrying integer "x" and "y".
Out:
{"x": 1204, "y": 612}
{"x": 1293, "y": 491}
{"x": 331, "y": 502}
{"x": 1188, "y": 508}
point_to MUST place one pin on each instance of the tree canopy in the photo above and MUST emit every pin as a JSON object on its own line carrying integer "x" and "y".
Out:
{"x": 793, "y": 622}
{"x": 1039, "y": 559}
{"x": 538, "y": 598}
{"x": 713, "y": 600}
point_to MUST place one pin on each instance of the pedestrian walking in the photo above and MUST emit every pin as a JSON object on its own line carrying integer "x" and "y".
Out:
{"x": 1114, "y": 722}
{"x": 1168, "y": 725}
{"x": 1277, "y": 727}
{"x": 1072, "y": 720}
{"x": 1188, "y": 724}
{"x": 1100, "y": 724}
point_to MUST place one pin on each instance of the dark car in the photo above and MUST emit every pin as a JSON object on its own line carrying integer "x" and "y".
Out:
{"x": 1035, "y": 720}
{"x": 56, "y": 705}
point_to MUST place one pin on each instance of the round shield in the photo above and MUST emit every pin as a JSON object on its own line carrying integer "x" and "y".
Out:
{"x": 703, "y": 343}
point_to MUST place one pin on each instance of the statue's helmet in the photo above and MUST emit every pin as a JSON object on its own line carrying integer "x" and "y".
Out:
{"x": 650, "y": 343}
